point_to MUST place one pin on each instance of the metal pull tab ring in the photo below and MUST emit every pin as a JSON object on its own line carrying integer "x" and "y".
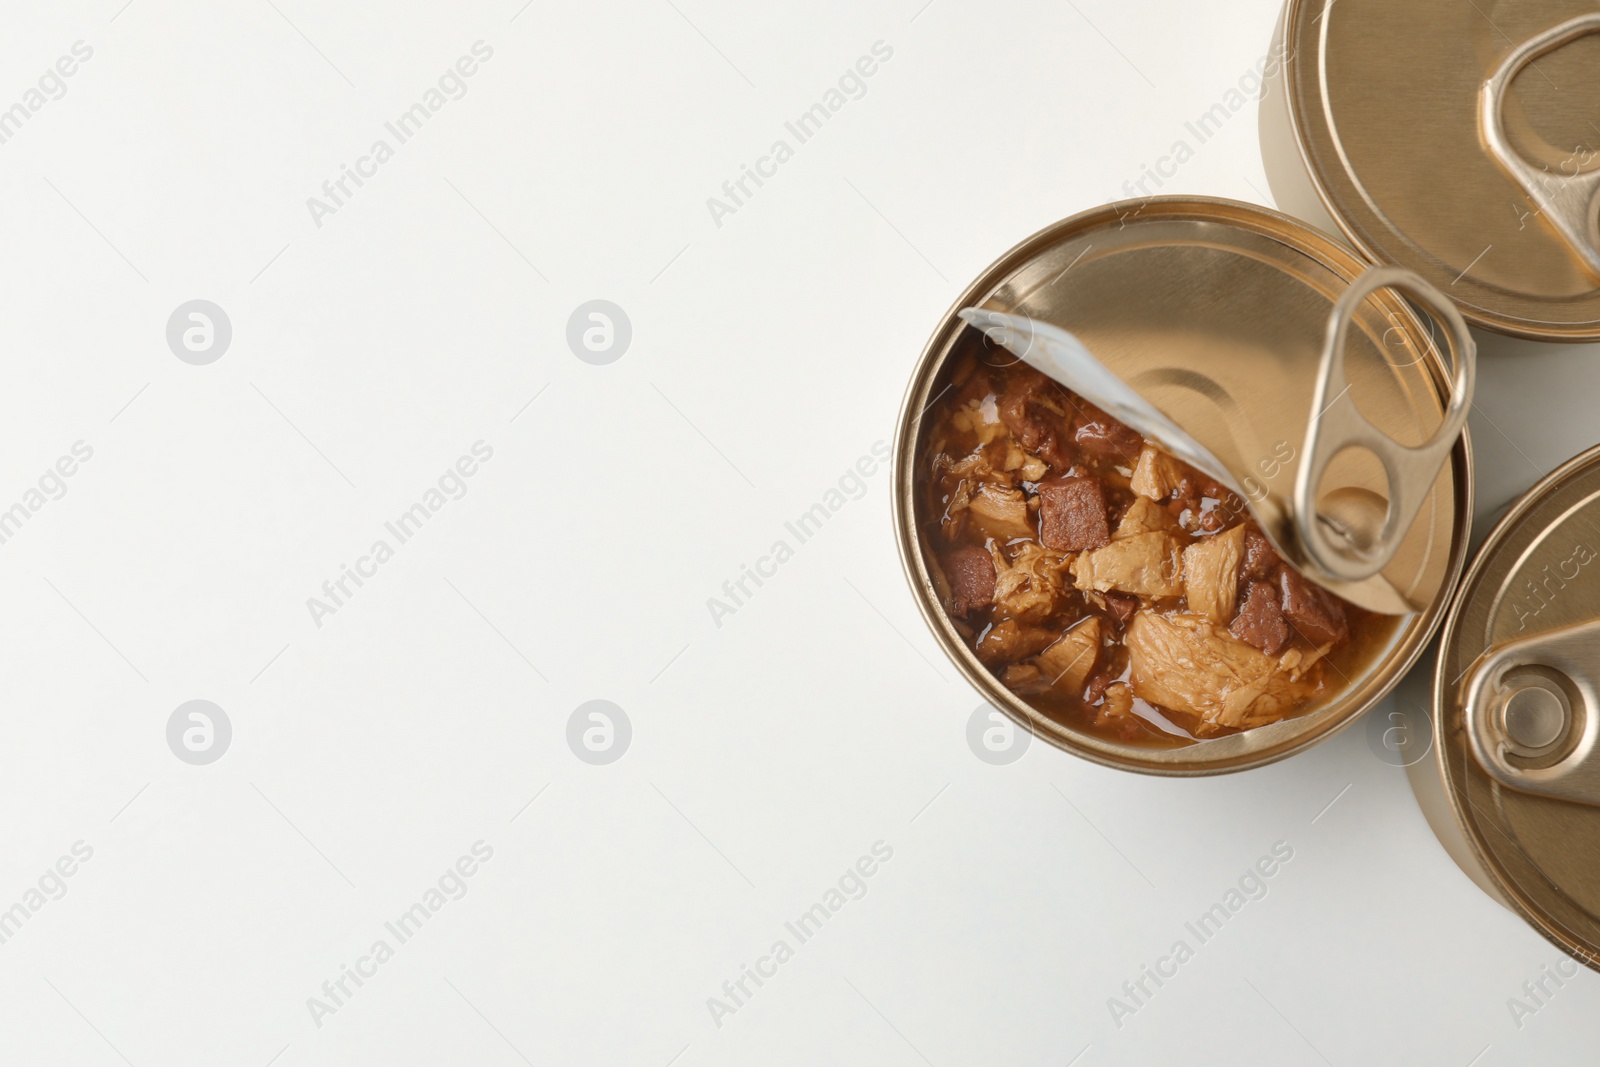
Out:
{"x": 1337, "y": 424}
{"x": 1532, "y": 713}
{"x": 1571, "y": 203}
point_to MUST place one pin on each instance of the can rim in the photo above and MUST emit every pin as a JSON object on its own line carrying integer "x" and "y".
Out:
{"x": 1292, "y": 232}
{"x": 1486, "y": 858}
{"x": 1531, "y": 330}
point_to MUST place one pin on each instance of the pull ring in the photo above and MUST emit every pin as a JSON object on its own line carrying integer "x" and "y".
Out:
{"x": 1337, "y": 424}
{"x": 1532, "y": 713}
{"x": 1569, "y": 202}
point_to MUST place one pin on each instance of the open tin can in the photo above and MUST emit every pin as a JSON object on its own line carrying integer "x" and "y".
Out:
{"x": 1218, "y": 314}
{"x": 1513, "y": 785}
{"x": 1458, "y": 140}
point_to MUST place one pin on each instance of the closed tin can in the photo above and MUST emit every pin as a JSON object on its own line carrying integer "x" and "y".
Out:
{"x": 1513, "y": 785}
{"x": 1214, "y": 311}
{"x": 1459, "y": 140}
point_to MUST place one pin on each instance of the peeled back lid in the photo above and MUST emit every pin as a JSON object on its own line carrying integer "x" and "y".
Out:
{"x": 1217, "y": 313}
{"x": 1461, "y": 140}
{"x": 1517, "y": 699}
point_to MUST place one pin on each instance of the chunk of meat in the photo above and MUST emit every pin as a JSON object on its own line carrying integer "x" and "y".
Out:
{"x": 1221, "y": 511}
{"x": 1144, "y": 516}
{"x": 1025, "y": 678}
{"x": 1156, "y": 474}
{"x": 1298, "y": 662}
{"x": 976, "y": 465}
{"x": 1017, "y": 461}
{"x": 1067, "y": 663}
{"x": 1099, "y": 432}
{"x": 1260, "y": 622}
{"x": 980, "y": 417}
{"x": 1032, "y": 407}
{"x": 1098, "y": 682}
{"x": 1260, "y": 558}
{"x": 1185, "y": 663}
{"x": 1009, "y": 641}
{"x": 1211, "y": 574}
{"x": 1311, "y": 610}
{"x": 1118, "y": 702}
{"x": 1115, "y": 713}
{"x": 1120, "y": 605}
{"x": 1147, "y": 564}
{"x": 1001, "y": 512}
{"x": 1030, "y": 587}
{"x": 1072, "y": 514}
{"x": 1201, "y": 506}
{"x": 970, "y": 572}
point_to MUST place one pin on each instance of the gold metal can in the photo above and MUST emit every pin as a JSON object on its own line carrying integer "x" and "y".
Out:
{"x": 1458, "y": 140}
{"x": 1215, "y": 311}
{"x": 1513, "y": 785}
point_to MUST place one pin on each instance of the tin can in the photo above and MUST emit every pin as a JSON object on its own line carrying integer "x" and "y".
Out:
{"x": 1513, "y": 785}
{"x": 1215, "y": 311}
{"x": 1457, "y": 140}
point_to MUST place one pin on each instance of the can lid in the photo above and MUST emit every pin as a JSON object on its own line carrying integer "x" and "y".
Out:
{"x": 1517, "y": 695}
{"x": 1461, "y": 141}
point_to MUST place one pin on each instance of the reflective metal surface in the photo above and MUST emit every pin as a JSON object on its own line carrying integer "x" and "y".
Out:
{"x": 1568, "y": 201}
{"x": 1345, "y": 553}
{"x": 1346, "y": 550}
{"x": 1515, "y": 707}
{"x": 1216, "y": 312}
{"x": 1387, "y": 99}
{"x": 1531, "y": 713}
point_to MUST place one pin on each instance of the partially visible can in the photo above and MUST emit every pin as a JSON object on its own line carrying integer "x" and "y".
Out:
{"x": 1215, "y": 311}
{"x": 1455, "y": 139}
{"x": 1513, "y": 786}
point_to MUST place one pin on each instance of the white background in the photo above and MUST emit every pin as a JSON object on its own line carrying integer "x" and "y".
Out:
{"x": 768, "y": 355}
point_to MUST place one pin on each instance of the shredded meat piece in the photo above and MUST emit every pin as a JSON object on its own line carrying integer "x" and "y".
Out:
{"x": 971, "y": 574}
{"x": 1211, "y": 574}
{"x": 1035, "y": 417}
{"x": 1072, "y": 514}
{"x": 1097, "y": 685}
{"x": 958, "y": 502}
{"x": 1118, "y": 702}
{"x": 1260, "y": 559}
{"x": 1030, "y": 587}
{"x": 1099, "y": 432}
{"x": 1182, "y": 662}
{"x": 1009, "y": 641}
{"x": 1298, "y": 662}
{"x": 1114, "y": 714}
{"x": 1068, "y": 663}
{"x": 1001, "y": 512}
{"x": 981, "y": 417}
{"x": 976, "y": 465}
{"x": 1312, "y": 610}
{"x": 1260, "y": 622}
{"x": 1025, "y": 678}
{"x": 1120, "y": 605}
{"x": 1017, "y": 461}
{"x": 1156, "y": 474}
{"x": 1147, "y": 564}
{"x": 1144, "y": 516}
